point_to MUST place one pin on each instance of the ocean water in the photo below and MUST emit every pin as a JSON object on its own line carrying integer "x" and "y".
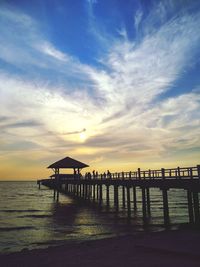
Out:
{"x": 31, "y": 218}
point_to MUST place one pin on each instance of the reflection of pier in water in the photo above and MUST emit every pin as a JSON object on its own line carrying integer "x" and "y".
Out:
{"x": 90, "y": 188}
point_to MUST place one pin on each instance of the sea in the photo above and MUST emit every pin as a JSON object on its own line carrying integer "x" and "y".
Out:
{"x": 30, "y": 218}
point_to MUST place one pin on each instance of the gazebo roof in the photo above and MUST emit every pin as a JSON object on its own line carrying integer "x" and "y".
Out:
{"x": 67, "y": 163}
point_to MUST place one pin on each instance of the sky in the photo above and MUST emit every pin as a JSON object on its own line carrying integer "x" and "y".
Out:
{"x": 112, "y": 83}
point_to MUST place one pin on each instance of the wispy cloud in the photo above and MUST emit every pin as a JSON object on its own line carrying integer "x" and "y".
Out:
{"x": 50, "y": 50}
{"x": 21, "y": 124}
{"x": 138, "y": 19}
{"x": 139, "y": 73}
{"x": 24, "y": 46}
{"x": 75, "y": 132}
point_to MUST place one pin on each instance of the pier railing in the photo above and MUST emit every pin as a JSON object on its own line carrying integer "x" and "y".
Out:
{"x": 173, "y": 173}
{"x": 179, "y": 173}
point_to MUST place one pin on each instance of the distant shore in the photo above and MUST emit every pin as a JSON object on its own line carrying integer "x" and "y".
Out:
{"x": 168, "y": 248}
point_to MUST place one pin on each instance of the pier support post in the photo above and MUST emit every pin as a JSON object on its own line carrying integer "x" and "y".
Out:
{"x": 128, "y": 201}
{"x": 100, "y": 194}
{"x": 134, "y": 198}
{"x": 58, "y": 188}
{"x": 86, "y": 191}
{"x": 196, "y": 207}
{"x": 116, "y": 197}
{"x": 144, "y": 211}
{"x": 65, "y": 187}
{"x": 198, "y": 171}
{"x": 148, "y": 201}
{"x": 83, "y": 191}
{"x": 57, "y": 199}
{"x": 165, "y": 207}
{"x": 190, "y": 207}
{"x": 90, "y": 191}
{"x": 71, "y": 189}
{"x": 123, "y": 196}
{"x": 74, "y": 190}
{"x": 97, "y": 191}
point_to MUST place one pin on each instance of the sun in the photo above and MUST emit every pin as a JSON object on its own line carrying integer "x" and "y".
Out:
{"x": 82, "y": 136}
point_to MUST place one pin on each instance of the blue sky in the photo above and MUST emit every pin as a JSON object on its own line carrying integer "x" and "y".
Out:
{"x": 112, "y": 83}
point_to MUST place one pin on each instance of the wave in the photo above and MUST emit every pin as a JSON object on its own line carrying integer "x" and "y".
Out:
{"x": 26, "y": 194}
{"x": 5, "y": 229}
{"x": 103, "y": 234}
{"x": 35, "y": 216}
{"x": 28, "y": 210}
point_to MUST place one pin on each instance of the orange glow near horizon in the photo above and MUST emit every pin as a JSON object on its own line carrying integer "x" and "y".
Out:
{"x": 14, "y": 171}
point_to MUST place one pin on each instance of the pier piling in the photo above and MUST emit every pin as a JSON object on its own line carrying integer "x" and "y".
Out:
{"x": 165, "y": 207}
{"x": 128, "y": 202}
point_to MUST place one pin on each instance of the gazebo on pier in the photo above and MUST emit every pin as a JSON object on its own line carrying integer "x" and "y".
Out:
{"x": 67, "y": 163}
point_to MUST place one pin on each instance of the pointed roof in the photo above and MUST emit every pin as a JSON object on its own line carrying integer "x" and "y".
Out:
{"x": 67, "y": 163}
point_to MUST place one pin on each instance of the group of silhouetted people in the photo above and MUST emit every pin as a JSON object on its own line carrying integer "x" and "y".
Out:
{"x": 95, "y": 175}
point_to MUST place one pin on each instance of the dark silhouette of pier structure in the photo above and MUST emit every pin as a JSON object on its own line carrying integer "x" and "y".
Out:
{"x": 90, "y": 187}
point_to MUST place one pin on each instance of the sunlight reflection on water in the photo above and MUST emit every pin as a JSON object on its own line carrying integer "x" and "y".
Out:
{"x": 31, "y": 218}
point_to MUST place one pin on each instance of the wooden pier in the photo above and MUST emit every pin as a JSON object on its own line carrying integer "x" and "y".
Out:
{"x": 90, "y": 188}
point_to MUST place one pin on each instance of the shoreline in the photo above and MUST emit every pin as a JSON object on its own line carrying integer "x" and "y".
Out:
{"x": 165, "y": 248}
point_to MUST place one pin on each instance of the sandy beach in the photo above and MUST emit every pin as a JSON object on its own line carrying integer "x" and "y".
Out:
{"x": 169, "y": 248}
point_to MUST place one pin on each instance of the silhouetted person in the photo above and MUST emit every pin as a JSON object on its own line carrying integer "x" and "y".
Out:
{"x": 108, "y": 174}
{"x": 96, "y": 174}
{"x": 104, "y": 175}
{"x": 89, "y": 176}
{"x": 93, "y": 174}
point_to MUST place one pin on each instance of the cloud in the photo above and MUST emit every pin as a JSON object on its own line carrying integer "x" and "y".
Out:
{"x": 25, "y": 47}
{"x": 138, "y": 18}
{"x": 74, "y": 132}
{"x": 50, "y": 50}
{"x": 22, "y": 124}
{"x": 18, "y": 146}
{"x": 136, "y": 74}
{"x": 92, "y": 2}
{"x": 117, "y": 102}
{"x": 4, "y": 119}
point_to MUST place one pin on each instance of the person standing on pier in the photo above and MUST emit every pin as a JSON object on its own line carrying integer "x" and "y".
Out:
{"x": 108, "y": 174}
{"x": 89, "y": 176}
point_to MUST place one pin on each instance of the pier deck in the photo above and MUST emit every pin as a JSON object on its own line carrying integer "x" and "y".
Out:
{"x": 187, "y": 178}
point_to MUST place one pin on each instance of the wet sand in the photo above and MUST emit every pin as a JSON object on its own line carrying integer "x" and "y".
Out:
{"x": 169, "y": 248}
